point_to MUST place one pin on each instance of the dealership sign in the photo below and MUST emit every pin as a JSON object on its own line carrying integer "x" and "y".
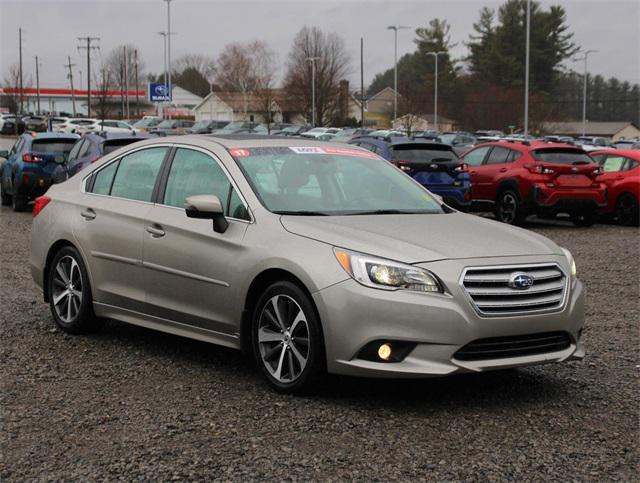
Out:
{"x": 159, "y": 92}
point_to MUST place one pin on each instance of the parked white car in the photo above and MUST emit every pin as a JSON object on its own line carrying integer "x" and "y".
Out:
{"x": 316, "y": 132}
{"x": 71, "y": 126}
{"x": 107, "y": 125}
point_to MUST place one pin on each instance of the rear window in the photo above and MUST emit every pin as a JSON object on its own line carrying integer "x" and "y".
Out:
{"x": 416, "y": 152}
{"x": 562, "y": 156}
{"x": 52, "y": 146}
{"x": 112, "y": 145}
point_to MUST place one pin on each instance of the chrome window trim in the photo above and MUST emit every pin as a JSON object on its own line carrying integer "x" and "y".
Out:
{"x": 523, "y": 267}
{"x": 170, "y": 146}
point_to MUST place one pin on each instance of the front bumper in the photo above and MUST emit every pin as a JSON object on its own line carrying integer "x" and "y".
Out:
{"x": 439, "y": 325}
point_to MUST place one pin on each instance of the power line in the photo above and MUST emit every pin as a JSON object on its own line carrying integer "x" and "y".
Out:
{"x": 88, "y": 48}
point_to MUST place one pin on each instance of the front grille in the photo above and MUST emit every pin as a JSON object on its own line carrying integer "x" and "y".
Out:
{"x": 513, "y": 346}
{"x": 492, "y": 295}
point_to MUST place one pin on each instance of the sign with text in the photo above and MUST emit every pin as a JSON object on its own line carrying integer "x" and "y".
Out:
{"x": 159, "y": 92}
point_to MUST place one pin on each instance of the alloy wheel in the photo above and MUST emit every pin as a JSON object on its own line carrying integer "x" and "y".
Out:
{"x": 508, "y": 208}
{"x": 67, "y": 289}
{"x": 283, "y": 338}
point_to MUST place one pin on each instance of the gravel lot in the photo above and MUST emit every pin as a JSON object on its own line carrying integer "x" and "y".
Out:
{"x": 131, "y": 404}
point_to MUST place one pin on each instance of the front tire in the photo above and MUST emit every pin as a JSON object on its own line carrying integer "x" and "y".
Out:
{"x": 509, "y": 208}
{"x": 287, "y": 339}
{"x": 627, "y": 212}
{"x": 69, "y": 293}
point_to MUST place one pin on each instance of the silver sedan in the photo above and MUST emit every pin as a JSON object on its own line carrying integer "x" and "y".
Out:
{"x": 311, "y": 257}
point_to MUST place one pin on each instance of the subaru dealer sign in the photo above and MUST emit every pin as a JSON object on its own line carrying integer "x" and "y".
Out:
{"x": 159, "y": 92}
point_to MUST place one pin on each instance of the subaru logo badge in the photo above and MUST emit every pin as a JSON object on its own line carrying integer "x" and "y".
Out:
{"x": 520, "y": 281}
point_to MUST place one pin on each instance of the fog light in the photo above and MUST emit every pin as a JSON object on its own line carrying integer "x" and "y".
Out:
{"x": 384, "y": 352}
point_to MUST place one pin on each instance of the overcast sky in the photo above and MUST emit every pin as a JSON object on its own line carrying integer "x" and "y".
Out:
{"x": 51, "y": 28}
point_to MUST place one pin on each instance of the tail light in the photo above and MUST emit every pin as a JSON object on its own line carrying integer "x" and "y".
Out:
{"x": 538, "y": 169}
{"x": 31, "y": 158}
{"x": 41, "y": 202}
{"x": 403, "y": 165}
{"x": 462, "y": 168}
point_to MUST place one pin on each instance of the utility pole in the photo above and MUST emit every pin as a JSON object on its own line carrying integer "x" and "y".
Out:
{"x": 164, "y": 38}
{"x": 126, "y": 78}
{"x": 395, "y": 29}
{"x": 70, "y": 76}
{"x": 526, "y": 71}
{"x": 585, "y": 76}
{"x": 135, "y": 60}
{"x": 435, "y": 86}
{"x": 20, "y": 96}
{"x": 38, "y": 84}
{"x": 169, "y": 92}
{"x": 361, "y": 82}
{"x": 313, "y": 89}
{"x": 89, "y": 48}
{"x": 122, "y": 89}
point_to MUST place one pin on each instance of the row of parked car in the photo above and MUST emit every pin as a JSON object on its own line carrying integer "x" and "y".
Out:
{"x": 512, "y": 177}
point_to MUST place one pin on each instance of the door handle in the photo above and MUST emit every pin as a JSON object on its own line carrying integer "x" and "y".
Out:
{"x": 88, "y": 214}
{"x": 156, "y": 231}
{"x": 503, "y": 170}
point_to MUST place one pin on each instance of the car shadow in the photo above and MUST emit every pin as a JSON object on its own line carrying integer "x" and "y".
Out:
{"x": 540, "y": 384}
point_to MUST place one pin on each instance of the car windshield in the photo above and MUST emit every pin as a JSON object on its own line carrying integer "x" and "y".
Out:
{"x": 167, "y": 123}
{"x": 291, "y": 129}
{"x": 52, "y": 145}
{"x": 417, "y": 152}
{"x": 317, "y": 130}
{"x": 201, "y": 124}
{"x": 111, "y": 145}
{"x": 331, "y": 181}
{"x": 562, "y": 156}
{"x": 146, "y": 123}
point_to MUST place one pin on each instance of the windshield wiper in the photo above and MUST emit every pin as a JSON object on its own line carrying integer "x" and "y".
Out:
{"x": 301, "y": 213}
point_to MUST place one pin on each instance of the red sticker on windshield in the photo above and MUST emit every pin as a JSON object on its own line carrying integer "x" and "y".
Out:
{"x": 351, "y": 152}
{"x": 239, "y": 153}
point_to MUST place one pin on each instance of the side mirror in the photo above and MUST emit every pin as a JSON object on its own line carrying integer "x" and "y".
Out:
{"x": 4, "y": 153}
{"x": 207, "y": 207}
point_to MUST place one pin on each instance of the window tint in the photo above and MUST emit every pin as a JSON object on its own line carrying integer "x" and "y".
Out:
{"x": 52, "y": 145}
{"x": 103, "y": 179}
{"x": 498, "y": 155}
{"x": 513, "y": 155}
{"x": 137, "y": 174}
{"x": 562, "y": 156}
{"x": 196, "y": 173}
{"x": 475, "y": 157}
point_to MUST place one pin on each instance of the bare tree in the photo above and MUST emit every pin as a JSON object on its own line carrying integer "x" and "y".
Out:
{"x": 103, "y": 83}
{"x": 244, "y": 67}
{"x": 115, "y": 62}
{"x": 12, "y": 82}
{"x": 200, "y": 62}
{"x": 265, "y": 72}
{"x": 331, "y": 66}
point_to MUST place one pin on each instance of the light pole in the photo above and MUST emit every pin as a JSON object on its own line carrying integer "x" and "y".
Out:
{"x": 584, "y": 89}
{"x": 164, "y": 59}
{"x": 395, "y": 29}
{"x": 435, "y": 86}
{"x": 313, "y": 89}
{"x": 169, "y": 93}
{"x": 526, "y": 70}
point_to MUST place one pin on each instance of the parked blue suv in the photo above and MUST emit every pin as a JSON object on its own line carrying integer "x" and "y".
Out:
{"x": 434, "y": 165}
{"x": 28, "y": 170}
{"x": 92, "y": 147}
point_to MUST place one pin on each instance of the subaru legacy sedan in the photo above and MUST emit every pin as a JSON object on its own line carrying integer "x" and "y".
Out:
{"x": 311, "y": 257}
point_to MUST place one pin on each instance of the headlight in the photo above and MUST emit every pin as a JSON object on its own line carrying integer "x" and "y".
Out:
{"x": 572, "y": 262}
{"x": 386, "y": 274}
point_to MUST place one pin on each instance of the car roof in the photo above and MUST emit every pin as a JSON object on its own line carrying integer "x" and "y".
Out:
{"x": 106, "y": 136}
{"x": 51, "y": 135}
{"x": 627, "y": 153}
{"x": 530, "y": 145}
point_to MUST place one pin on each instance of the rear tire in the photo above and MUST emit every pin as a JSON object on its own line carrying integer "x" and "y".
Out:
{"x": 627, "y": 212}
{"x": 509, "y": 208}
{"x": 584, "y": 218}
{"x": 287, "y": 340}
{"x": 19, "y": 201}
{"x": 69, "y": 293}
{"x": 6, "y": 199}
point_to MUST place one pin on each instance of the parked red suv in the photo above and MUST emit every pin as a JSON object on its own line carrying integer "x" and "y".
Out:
{"x": 622, "y": 176}
{"x": 520, "y": 178}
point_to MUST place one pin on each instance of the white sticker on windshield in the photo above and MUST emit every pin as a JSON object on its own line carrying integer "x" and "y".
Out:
{"x": 307, "y": 150}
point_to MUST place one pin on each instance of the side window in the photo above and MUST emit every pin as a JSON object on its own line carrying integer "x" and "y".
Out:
{"x": 613, "y": 163}
{"x": 475, "y": 157}
{"x": 196, "y": 173}
{"x": 498, "y": 155}
{"x": 17, "y": 146}
{"x": 137, "y": 174}
{"x": 73, "y": 154}
{"x": 103, "y": 179}
{"x": 84, "y": 149}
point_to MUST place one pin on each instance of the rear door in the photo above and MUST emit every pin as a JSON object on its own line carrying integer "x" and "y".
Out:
{"x": 475, "y": 159}
{"x": 487, "y": 174}
{"x": 109, "y": 225}
{"x": 189, "y": 269}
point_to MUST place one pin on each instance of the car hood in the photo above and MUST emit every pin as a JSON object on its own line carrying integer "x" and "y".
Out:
{"x": 421, "y": 238}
